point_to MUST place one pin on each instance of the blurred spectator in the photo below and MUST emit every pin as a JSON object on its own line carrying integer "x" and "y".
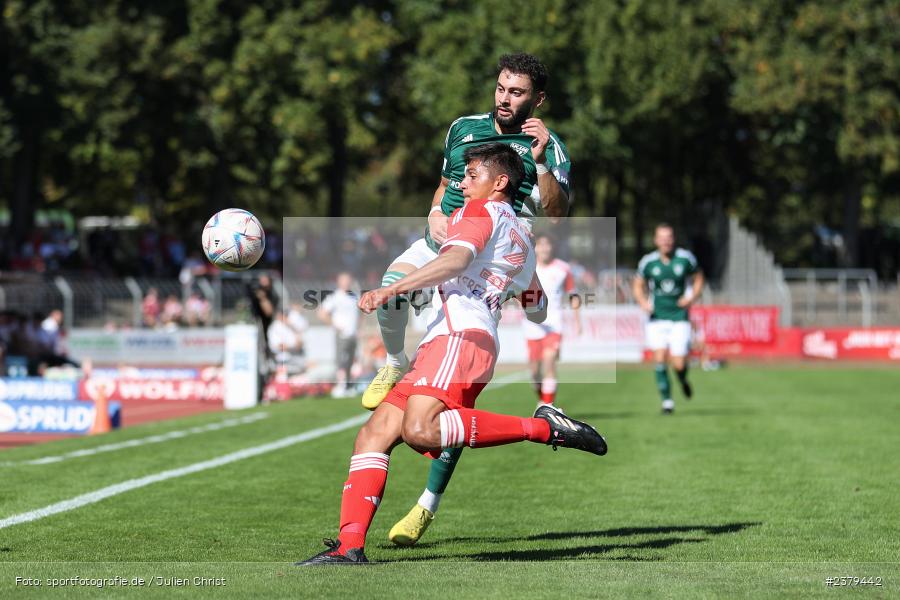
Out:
{"x": 49, "y": 341}
{"x": 296, "y": 319}
{"x": 339, "y": 310}
{"x": 373, "y": 356}
{"x": 264, "y": 305}
{"x": 52, "y": 324}
{"x": 171, "y": 312}
{"x": 196, "y": 311}
{"x": 286, "y": 343}
{"x": 194, "y": 266}
{"x": 151, "y": 308}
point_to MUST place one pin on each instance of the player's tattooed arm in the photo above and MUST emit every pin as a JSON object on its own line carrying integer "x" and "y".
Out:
{"x": 450, "y": 263}
{"x": 639, "y": 289}
{"x": 437, "y": 220}
{"x": 554, "y": 199}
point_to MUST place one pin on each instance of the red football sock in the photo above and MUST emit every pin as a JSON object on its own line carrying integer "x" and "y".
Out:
{"x": 482, "y": 429}
{"x": 548, "y": 390}
{"x": 362, "y": 494}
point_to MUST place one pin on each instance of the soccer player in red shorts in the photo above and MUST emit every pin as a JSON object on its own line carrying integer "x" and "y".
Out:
{"x": 545, "y": 338}
{"x": 486, "y": 259}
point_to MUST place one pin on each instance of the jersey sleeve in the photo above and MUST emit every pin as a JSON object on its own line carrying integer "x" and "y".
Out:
{"x": 691, "y": 260}
{"x": 559, "y": 162}
{"x": 471, "y": 226}
{"x": 448, "y": 145}
{"x": 642, "y": 267}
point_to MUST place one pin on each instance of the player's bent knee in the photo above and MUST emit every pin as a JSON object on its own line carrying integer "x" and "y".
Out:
{"x": 380, "y": 433}
{"x": 421, "y": 434}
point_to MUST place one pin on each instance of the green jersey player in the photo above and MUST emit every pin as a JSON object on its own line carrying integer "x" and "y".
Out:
{"x": 521, "y": 82}
{"x": 519, "y": 91}
{"x": 666, "y": 273}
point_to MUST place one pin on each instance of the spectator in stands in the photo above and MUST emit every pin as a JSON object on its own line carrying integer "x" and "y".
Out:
{"x": 194, "y": 266}
{"x": 51, "y": 351}
{"x": 339, "y": 310}
{"x": 296, "y": 319}
{"x": 171, "y": 312}
{"x": 286, "y": 343}
{"x": 151, "y": 308}
{"x": 196, "y": 311}
{"x": 264, "y": 305}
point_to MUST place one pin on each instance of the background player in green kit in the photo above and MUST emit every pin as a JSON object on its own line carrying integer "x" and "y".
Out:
{"x": 520, "y": 89}
{"x": 666, "y": 272}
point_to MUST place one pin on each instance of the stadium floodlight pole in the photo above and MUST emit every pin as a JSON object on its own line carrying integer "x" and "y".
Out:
{"x": 68, "y": 301}
{"x": 214, "y": 299}
{"x": 136, "y": 297}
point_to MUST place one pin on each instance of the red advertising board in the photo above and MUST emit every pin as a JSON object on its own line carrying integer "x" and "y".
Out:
{"x": 154, "y": 389}
{"x": 736, "y": 324}
{"x": 848, "y": 343}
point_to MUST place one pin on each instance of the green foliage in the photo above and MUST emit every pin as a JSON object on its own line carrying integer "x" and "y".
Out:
{"x": 786, "y": 113}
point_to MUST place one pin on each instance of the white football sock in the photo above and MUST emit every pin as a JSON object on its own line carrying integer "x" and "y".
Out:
{"x": 398, "y": 360}
{"x": 430, "y": 501}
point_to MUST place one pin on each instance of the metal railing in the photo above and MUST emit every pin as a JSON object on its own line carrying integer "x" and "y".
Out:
{"x": 835, "y": 296}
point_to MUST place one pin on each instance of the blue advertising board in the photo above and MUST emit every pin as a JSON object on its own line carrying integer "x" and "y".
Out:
{"x": 37, "y": 388}
{"x": 51, "y": 416}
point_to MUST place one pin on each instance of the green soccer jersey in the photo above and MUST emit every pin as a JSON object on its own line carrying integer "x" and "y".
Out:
{"x": 475, "y": 130}
{"x": 667, "y": 281}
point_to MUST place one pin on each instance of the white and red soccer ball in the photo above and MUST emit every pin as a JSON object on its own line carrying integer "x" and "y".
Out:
{"x": 233, "y": 239}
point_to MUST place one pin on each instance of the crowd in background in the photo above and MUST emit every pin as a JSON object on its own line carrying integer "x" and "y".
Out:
{"x": 32, "y": 343}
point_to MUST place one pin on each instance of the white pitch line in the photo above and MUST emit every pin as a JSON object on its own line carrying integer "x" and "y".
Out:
{"x": 133, "y": 484}
{"x": 509, "y": 379}
{"x": 152, "y": 439}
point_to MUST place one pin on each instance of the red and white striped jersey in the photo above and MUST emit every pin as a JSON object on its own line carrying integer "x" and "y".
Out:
{"x": 503, "y": 267}
{"x": 557, "y": 280}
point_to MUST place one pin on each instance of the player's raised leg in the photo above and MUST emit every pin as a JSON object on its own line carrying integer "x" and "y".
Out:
{"x": 364, "y": 487}
{"x": 392, "y": 319}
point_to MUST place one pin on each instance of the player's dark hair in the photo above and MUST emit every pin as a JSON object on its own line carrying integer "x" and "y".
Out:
{"x": 547, "y": 237}
{"x": 499, "y": 158}
{"x": 521, "y": 63}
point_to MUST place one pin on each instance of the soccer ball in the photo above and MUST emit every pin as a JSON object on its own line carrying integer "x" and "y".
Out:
{"x": 233, "y": 239}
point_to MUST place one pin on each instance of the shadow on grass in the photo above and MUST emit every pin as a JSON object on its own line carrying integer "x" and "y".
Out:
{"x": 581, "y": 551}
{"x": 629, "y": 531}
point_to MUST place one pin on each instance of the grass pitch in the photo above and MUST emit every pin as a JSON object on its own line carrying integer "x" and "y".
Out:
{"x": 771, "y": 481}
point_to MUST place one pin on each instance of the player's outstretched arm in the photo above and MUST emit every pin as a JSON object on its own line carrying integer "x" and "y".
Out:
{"x": 639, "y": 289}
{"x": 437, "y": 220}
{"x": 450, "y": 263}
{"x": 554, "y": 199}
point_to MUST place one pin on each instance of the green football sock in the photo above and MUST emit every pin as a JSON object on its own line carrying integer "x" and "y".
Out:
{"x": 393, "y": 317}
{"x": 442, "y": 470}
{"x": 662, "y": 381}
